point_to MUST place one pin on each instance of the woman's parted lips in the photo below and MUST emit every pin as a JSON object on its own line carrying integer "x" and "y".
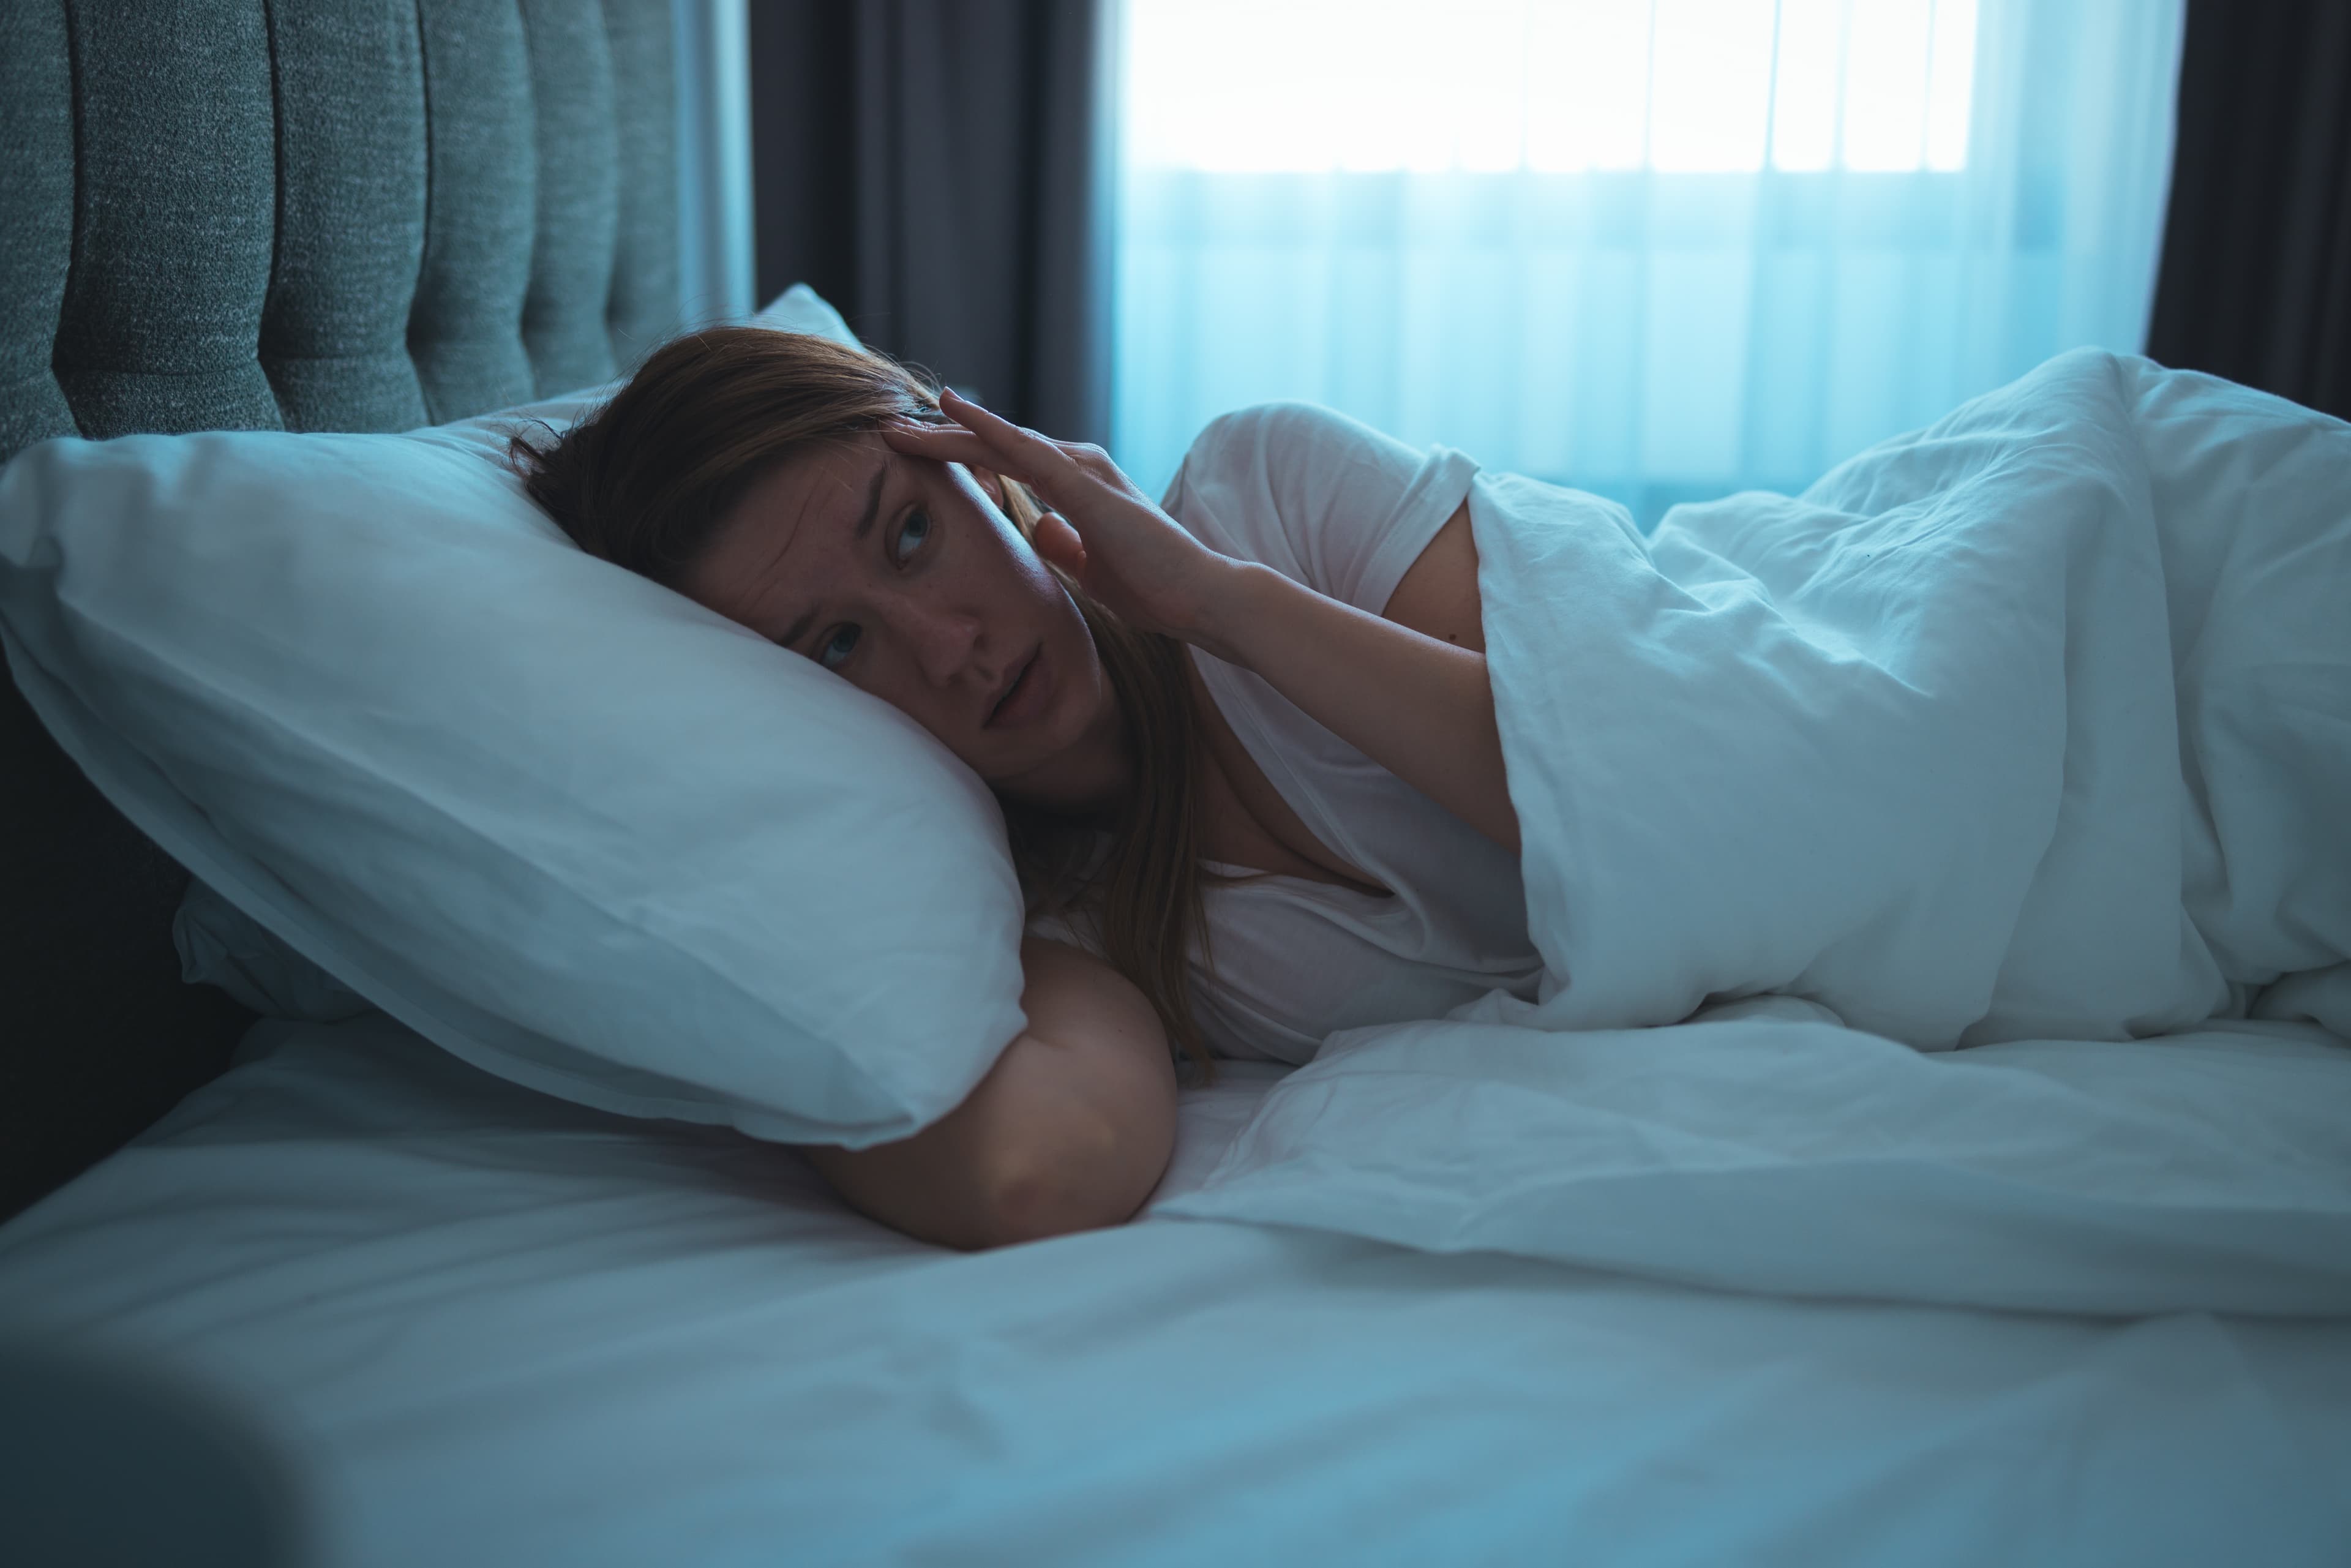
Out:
{"x": 1011, "y": 687}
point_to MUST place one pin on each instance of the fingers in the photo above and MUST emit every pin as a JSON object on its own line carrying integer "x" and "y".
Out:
{"x": 1058, "y": 542}
{"x": 997, "y": 435}
{"x": 1003, "y": 436}
{"x": 964, "y": 412}
{"x": 978, "y": 439}
{"x": 1011, "y": 442}
{"x": 944, "y": 443}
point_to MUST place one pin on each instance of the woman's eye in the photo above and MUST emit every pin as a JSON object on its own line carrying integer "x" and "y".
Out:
{"x": 837, "y": 647}
{"x": 911, "y": 535}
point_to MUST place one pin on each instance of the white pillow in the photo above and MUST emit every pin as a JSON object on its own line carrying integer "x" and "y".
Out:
{"x": 578, "y": 830}
{"x": 800, "y": 309}
{"x": 220, "y": 945}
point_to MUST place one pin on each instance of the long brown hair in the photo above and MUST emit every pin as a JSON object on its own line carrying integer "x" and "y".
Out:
{"x": 644, "y": 481}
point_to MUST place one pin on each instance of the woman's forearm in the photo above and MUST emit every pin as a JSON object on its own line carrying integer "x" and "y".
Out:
{"x": 1070, "y": 1130}
{"x": 1421, "y": 708}
{"x": 1031, "y": 1154}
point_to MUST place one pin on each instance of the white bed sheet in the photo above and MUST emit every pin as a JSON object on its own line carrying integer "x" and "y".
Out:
{"x": 499, "y": 1328}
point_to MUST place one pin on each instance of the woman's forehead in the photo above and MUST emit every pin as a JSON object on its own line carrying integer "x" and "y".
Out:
{"x": 803, "y": 514}
{"x": 829, "y": 495}
{"x": 838, "y": 481}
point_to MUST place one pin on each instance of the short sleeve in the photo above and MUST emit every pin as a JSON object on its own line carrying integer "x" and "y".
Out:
{"x": 1068, "y": 928}
{"x": 1322, "y": 498}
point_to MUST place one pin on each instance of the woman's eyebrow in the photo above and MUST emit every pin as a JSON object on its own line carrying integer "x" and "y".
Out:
{"x": 873, "y": 499}
{"x": 800, "y": 628}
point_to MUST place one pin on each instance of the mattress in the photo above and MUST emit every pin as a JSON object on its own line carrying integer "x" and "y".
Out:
{"x": 479, "y": 1325}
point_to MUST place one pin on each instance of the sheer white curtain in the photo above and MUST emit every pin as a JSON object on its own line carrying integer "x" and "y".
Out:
{"x": 1661, "y": 249}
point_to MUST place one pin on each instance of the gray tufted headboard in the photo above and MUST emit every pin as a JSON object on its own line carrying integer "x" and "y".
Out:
{"x": 306, "y": 215}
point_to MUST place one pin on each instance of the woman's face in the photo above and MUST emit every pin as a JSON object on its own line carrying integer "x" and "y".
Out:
{"x": 905, "y": 577}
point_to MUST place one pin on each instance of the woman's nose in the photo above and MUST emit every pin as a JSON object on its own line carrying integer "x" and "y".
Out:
{"x": 942, "y": 640}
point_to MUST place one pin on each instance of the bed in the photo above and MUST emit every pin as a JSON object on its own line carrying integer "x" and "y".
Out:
{"x": 482, "y": 1326}
{"x": 436, "y": 1317}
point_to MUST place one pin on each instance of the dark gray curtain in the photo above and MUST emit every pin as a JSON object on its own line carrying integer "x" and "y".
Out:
{"x": 2256, "y": 279}
{"x": 939, "y": 170}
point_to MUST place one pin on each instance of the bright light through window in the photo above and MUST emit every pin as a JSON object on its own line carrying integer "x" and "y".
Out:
{"x": 1550, "y": 86}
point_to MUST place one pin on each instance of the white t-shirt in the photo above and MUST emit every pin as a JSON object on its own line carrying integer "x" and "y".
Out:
{"x": 1337, "y": 507}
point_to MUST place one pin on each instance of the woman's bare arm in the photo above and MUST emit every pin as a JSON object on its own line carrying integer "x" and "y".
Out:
{"x": 1415, "y": 698}
{"x": 1437, "y": 597}
{"x": 1070, "y": 1129}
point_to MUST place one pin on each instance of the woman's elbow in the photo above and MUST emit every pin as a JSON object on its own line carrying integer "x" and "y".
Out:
{"x": 1089, "y": 1177}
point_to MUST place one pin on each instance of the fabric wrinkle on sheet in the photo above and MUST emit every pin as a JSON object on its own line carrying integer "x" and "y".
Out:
{"x": 1345, "y": 510}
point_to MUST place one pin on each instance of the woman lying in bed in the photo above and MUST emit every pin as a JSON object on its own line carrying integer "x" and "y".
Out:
{"x": 1311, "y": 795}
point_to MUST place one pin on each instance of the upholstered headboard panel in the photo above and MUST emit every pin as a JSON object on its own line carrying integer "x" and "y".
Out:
{"x": 306, "y": 215}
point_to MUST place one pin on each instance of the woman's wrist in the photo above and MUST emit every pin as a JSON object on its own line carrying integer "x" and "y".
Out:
{"x": 1234, "y": 598}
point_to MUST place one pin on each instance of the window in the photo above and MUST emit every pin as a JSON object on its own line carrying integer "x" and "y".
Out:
{"x": 1662, "y": 250}
{"x": 1550, "y": 86}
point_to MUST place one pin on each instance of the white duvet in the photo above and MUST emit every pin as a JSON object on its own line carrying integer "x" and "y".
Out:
{"x": 2029, "y": 732}
{"x": 2036, "y": 723}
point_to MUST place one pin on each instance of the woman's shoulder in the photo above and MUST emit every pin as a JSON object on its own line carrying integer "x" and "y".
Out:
{"x": 1265, "y": 442}
{"x": 1319, "y": 497}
